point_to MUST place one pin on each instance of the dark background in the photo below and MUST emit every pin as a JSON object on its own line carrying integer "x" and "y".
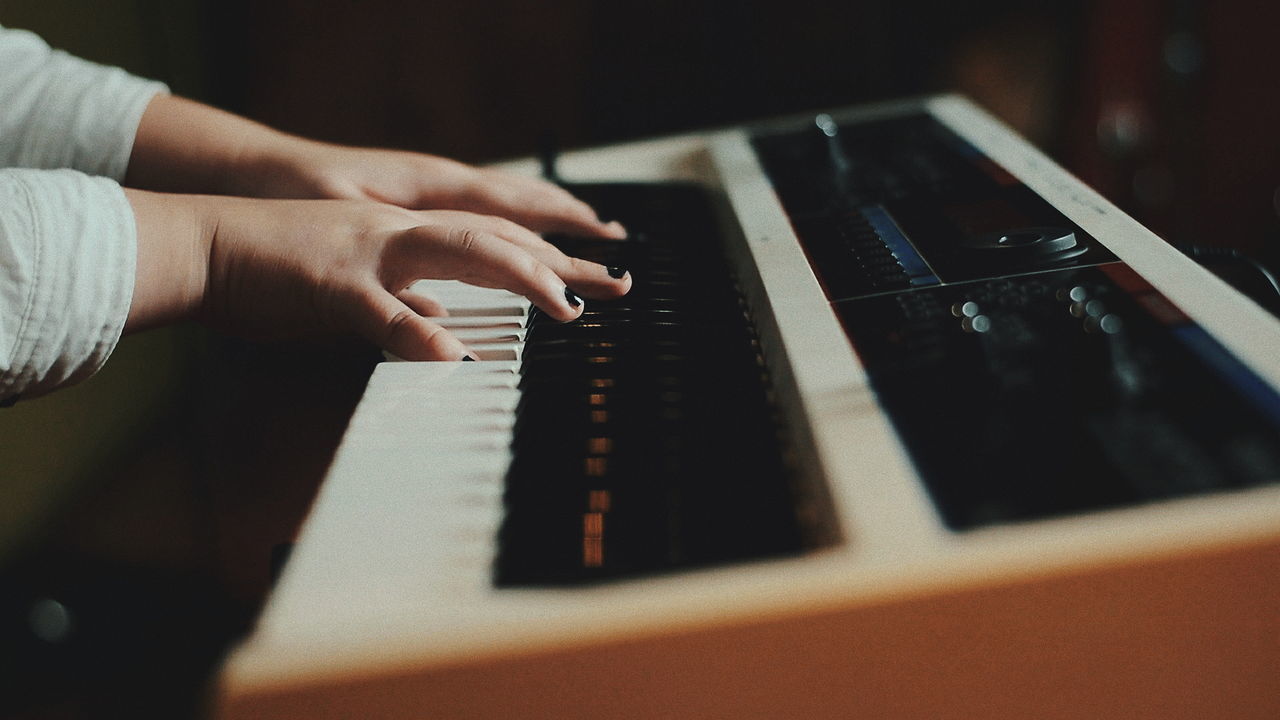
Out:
{"x": 150, "y": 499}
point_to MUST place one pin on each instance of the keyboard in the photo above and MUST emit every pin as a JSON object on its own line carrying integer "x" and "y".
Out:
{"x": 898, "y": 416}
{"x": 644, "y": 440}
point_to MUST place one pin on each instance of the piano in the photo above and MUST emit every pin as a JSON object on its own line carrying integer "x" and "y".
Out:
{"x": 900, "y": 420}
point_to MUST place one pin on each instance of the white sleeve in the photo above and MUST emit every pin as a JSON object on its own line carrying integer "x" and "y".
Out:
{"x": 58, "y": 111}
{"x": 68, "y": 254}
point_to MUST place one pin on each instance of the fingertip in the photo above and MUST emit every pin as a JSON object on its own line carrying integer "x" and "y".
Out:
{"x": 615, "y": 230}
{"x": 624, "y": 284}
{"x": 589, "y": 222}
{"x": 572, "y": 298}
{"x": 575, "y": 305}
{"x": 619, "y": 283}
{"x": 565, "y": 307}
{"x": 612, "y": 230}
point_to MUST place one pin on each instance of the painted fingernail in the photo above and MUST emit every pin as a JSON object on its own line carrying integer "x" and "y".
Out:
{"x": 572, "y": 298}
{"x": 468, "y": 358}
{"x": 616, "y": 272}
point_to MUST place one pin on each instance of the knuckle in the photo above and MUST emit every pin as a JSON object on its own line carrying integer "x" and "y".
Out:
{"x": 401, "y": 323}
{"x": 541, "y": 275}
{"x": 465, "y": 238}
{"x": 582, "y": 268}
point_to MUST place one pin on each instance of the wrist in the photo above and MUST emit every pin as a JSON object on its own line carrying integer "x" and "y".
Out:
{"x": 277, "y": 165}
{"x": 183, "y": 146}
{"x": 175, "y": 236}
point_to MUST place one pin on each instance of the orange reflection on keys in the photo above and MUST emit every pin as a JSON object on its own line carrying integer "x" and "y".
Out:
{"x": 593, "y": 539}
{"x": 599, "y": 501}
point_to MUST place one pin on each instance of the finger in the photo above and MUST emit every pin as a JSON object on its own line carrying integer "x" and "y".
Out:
{"x": 471, "y": 254}
{"x": 545, "y": 207}
{"x": 588, "y": 279}
{"x": 558, "y": 211}
{"x": 396, "y": 328}
{"x": 422, "y": 303}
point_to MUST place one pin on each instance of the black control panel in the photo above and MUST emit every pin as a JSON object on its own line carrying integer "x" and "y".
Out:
{"x": 906, "y": 203}
{"x": 1027, "y": 371}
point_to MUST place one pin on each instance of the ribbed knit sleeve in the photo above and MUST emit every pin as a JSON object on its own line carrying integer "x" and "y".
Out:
{"x": 68, "y": 240}
{"x": 58, "y": 111}
{"x": 68, "y": 253}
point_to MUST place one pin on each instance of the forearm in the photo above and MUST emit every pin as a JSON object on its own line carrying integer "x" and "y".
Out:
{"x": 174, "y": 238}
{"x": 185, "y": 146}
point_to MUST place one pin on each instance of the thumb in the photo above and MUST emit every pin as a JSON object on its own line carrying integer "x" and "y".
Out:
{"x": 399, "y": 330}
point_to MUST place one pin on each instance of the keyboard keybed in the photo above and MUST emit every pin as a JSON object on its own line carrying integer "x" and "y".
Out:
{"x": 643, "y": 439}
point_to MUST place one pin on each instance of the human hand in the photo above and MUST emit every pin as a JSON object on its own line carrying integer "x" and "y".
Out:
{"x": 184, "y": 146}
{"x": 287, "y": 268}
{"x": 423, "y": 182}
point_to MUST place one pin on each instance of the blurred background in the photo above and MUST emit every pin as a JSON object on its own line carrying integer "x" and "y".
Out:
{"x": 185, "y": 466}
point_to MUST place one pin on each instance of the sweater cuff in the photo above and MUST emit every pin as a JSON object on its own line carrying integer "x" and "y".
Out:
{"x": 68, "y": 255}
{"x": 64, "y": 112}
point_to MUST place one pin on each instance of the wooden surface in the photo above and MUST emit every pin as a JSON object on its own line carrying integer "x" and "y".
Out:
{"x": 1186, "y": 637}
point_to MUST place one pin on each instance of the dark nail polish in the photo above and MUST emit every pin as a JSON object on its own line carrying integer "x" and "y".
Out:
{"x": 616, "y": 272}
{"x": 468, "y": 358}
{"x": 572, "y": 298}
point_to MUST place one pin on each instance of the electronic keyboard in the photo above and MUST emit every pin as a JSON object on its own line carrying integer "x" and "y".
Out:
{"x": 899, "y": 419}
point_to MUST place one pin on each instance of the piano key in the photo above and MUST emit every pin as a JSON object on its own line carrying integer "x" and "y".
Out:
{"x": 491, "y": 335}
{"x": 614, "y": 425}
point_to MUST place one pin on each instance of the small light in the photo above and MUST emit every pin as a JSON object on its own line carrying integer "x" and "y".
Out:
{"x": 827, "y": 125}
{"x": 976, "y": 324}
{"x": 50, "y": 620}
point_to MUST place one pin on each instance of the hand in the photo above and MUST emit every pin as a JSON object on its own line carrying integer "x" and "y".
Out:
{"x": 284, "y": 268}
{"x": 183, "y": 146}
{"x": 422, "y": 182}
